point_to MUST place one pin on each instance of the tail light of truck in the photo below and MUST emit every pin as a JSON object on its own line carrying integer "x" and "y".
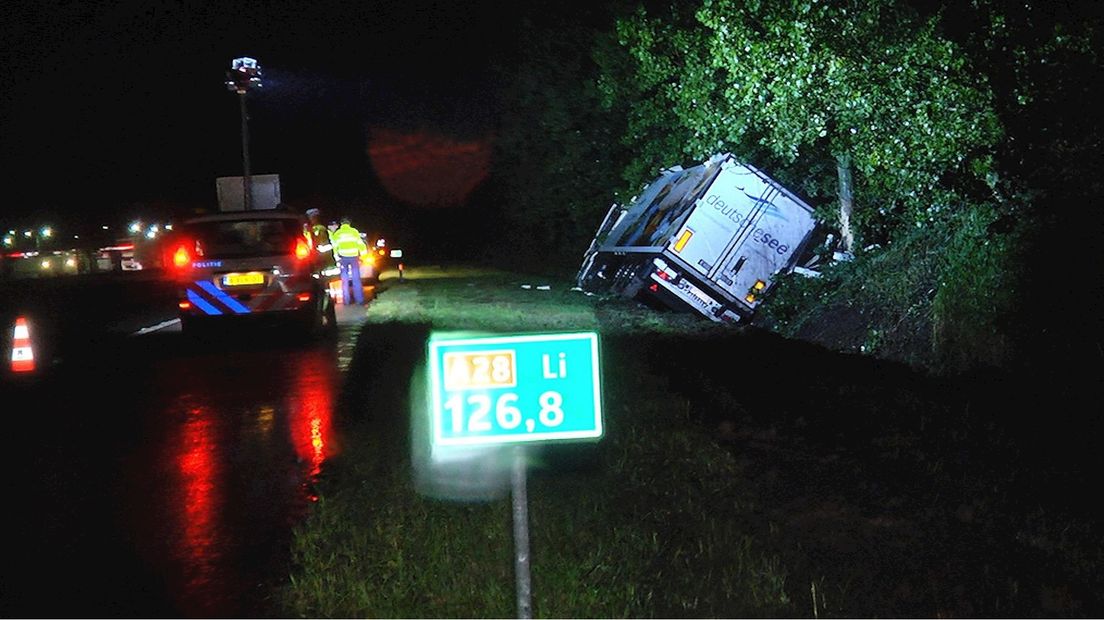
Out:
{"x": 667, "y": 274}
{"x": 664, "y": 271}
{"x": 754, "y": 291}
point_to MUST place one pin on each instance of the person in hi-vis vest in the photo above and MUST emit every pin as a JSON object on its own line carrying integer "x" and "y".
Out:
{"x": 320, "y": 238}
{"x": 348, "y": 247}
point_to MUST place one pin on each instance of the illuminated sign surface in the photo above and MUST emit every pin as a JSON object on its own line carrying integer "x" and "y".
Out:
{"x": 512, "y": 389}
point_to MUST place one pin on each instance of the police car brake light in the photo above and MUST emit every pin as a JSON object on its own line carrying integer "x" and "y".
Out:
{"x": 302, "y": 249}
{"x": 182, "y": 257}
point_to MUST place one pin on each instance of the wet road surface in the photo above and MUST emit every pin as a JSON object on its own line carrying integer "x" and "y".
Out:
{"x": 160, "y": 475}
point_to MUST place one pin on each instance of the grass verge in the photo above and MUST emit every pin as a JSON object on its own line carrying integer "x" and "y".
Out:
{"x": 649, "y": 521}
{"x": 742, "y": 475}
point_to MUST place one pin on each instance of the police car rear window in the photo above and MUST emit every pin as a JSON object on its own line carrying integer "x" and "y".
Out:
{"x": 245, "y": 238}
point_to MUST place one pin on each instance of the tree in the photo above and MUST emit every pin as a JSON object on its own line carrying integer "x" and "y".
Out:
{"x": 867, "y": 84}
{"x": 1044, "y": 62}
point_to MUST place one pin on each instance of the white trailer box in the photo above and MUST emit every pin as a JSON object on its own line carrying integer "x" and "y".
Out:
{"x": 265, "y": 192}
{"x": 709, "y": 238}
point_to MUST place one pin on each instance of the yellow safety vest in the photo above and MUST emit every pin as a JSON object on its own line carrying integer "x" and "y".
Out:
{"x": 347, "y": 242}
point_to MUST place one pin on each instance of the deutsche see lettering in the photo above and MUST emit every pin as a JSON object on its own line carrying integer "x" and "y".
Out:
{"x": 728, "y": 211}
{"x": 766, "y": 239}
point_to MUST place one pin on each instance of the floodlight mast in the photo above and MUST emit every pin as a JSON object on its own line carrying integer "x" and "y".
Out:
{"x": 243, "y": 76}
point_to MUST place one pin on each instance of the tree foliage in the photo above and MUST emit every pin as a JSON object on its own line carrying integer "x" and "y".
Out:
{"x": 1044, "y": 62}
{"x": 802, "y": 82}
{"x": 962, "y": 126}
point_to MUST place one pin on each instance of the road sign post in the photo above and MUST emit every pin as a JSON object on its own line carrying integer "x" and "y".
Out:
{"x": 520, "y": 497}
{"x": 503, "y": 390}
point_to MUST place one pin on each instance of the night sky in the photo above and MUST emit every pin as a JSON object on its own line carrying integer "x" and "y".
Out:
{"x": 111, "y": 109}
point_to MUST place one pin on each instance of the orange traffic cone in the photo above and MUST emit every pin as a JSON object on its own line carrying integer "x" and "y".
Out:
{"x": 22, "y": 353}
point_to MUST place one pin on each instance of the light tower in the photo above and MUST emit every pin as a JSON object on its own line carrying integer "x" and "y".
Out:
{"x": 243, "y": 76}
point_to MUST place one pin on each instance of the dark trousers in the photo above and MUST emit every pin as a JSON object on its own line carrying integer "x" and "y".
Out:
{"x": 350, "y": 276}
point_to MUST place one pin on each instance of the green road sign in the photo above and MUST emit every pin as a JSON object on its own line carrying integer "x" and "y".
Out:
{"x": 512, "y": 389}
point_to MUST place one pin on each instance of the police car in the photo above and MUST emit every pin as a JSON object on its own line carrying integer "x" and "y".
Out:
{"x": 251, "y": 265}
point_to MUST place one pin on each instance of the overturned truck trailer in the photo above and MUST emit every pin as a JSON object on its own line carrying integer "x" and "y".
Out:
{"x": 709, "y": 238}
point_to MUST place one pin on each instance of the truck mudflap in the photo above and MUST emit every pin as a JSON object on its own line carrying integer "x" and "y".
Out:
{"x": 209, "y": 299}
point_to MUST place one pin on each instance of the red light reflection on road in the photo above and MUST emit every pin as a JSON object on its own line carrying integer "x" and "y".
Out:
{"x": 310, "y": 410}
{"x": 201, "y": 488}
{"x": 228, "y": 464}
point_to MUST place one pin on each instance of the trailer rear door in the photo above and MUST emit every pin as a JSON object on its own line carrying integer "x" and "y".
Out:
{"x": 718, "y": 217}
{"x": 745, "y": 229}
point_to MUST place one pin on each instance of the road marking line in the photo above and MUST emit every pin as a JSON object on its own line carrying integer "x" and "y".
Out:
{"x": 153, "y": 328}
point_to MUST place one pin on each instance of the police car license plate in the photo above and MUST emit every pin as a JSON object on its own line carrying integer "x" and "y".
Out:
{"x": 243, "y": 279}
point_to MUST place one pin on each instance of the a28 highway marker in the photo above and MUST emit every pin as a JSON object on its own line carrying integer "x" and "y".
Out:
{"x": 501, "y": 390}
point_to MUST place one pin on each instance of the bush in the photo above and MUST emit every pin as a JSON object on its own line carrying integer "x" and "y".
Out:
{"x": 976, "y": 294}
{"x": 938, "y": 297}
